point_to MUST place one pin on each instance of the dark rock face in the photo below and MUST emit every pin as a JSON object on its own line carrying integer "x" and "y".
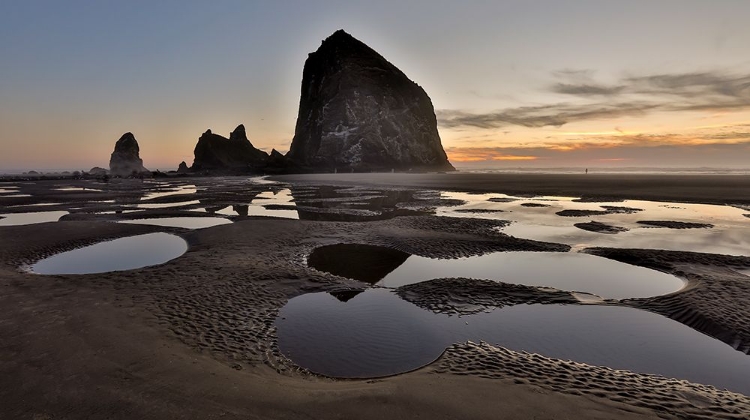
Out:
{"x": 217, "y": 153}
{"x": 359, "y": 112}
{"x": 125, "y": 160}
{"x": 97, "y": 171}
{"x": 183, "y": 167}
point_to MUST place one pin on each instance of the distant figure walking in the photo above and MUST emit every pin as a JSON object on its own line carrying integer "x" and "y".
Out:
{"x": 587, "y": 171}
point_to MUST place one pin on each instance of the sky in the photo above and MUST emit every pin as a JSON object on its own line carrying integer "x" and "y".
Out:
{"x": 637, "y": 83}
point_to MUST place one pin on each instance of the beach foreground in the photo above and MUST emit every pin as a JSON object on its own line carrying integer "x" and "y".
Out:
{"x": 195, "y": 337}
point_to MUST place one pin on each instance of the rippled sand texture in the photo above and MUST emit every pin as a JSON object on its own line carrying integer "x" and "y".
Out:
{"x": 197, "y": 335}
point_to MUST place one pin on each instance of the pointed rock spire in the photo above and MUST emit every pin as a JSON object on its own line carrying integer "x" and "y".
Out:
{"x": 125, "y": 160}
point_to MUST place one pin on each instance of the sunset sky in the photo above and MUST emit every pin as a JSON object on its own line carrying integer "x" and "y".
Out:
{"x": 651, "y": 83}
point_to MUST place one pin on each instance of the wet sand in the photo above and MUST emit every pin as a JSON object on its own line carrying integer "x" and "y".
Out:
{"x": 195, "y": 337}
{"x": 709, "y": 189}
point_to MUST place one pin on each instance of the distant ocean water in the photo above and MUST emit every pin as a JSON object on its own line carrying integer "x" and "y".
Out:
{"x": 592, "y": 170}
{"x": 479, "y": 170}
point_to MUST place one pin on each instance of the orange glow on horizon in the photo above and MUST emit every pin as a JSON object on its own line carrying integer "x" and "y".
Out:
{"x": 480, "y": 155}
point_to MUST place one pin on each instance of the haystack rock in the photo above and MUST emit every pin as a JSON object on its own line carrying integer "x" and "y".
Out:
{"x": 126, "y": 160}
{"x": 183, "y": 168}
{"x": 217, "y": 153}
{"x": 359, "y": 112}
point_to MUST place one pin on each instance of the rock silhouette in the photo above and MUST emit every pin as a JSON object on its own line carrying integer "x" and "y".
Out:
{"x": 125, "y": 159}
{"x": 358, "y": 112}
{"x": 235, "y": 154}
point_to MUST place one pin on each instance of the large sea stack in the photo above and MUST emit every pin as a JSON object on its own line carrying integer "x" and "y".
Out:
{"x": 126, "y": 160}
{"x": 359, "y": 112}
{"x": 234, "y": 154}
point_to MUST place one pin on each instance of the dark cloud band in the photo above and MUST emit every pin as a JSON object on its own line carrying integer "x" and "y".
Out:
{"x": 708, "y": 91}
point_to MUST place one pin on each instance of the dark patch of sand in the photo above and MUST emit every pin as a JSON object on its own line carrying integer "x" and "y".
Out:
{"x": 668, "y": 397}
{"x": 534, "y": 205}
{"x": 479, "y": 211}
{"x": 598, "y": 199}
{"x": 675, "y": 225}
{"x": 607, "y": 210}
{"x": 463, "y": 296}
{"x": 279, "y": 206}
{"x": 502, "y": 200}
{"x": 598, "y": 227}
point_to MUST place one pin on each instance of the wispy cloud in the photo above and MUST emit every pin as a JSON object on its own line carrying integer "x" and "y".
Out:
{"x": 706, "y": 91}
{"x": 540, "y": 116}
{"x": 587, "y": 89}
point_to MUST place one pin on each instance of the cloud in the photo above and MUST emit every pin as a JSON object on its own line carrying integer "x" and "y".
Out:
{"x": 574, "y": 74}
{"x": 555, "y": 115}
{"x": 693, "y": 85}
{"x": 706, "y": 91}
{"x": 587, "y": 89}
{"x": 686, "y": 85}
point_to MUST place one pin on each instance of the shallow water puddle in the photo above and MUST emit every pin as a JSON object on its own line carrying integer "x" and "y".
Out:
{"x": 262, "y": 211}
{"x": 167, "y": 205}
{"x": 258, "y": 206}
{"x": 375, "y": 333}
{"x": 181, "y": 222}
{"x": 171, "y": 190}
{"x": 15, "y": 219}
{"x": 78, "y": 189}
{"x": 565, "y": 271}
{"x": 730, "y": 234}
{"x": 116, "y": 255}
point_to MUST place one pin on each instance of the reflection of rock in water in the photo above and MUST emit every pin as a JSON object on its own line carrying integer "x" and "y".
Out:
{"x": 462, "y": 296}
{"x": 214, "y": 209}
{"x": 241, "y": 210}
{"x": 367, "y": 263}
{"x": 345, "y": 295}
{"x": 328, "y": 203}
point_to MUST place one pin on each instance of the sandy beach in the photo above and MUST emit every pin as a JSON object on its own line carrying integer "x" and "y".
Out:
{"x": 195, "y": 337}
